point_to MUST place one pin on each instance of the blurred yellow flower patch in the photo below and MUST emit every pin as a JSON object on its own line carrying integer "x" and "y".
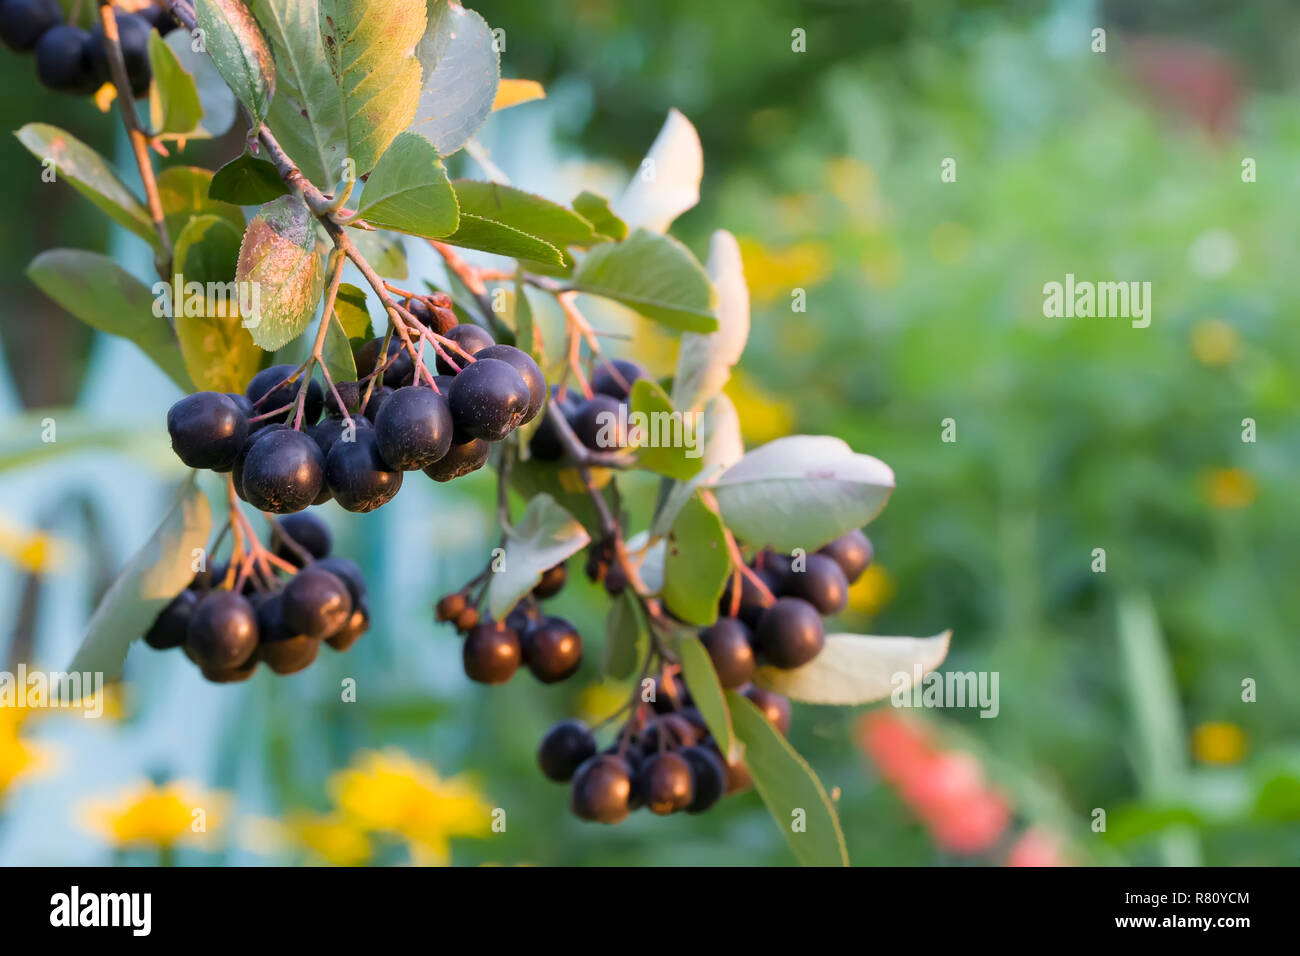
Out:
{"x": 330, "y": 837}
{"x": 775, "y": 273}
{"x": 1218, "y": 743}
{"x": 1228, "y": 488}
{"x": 156, "y": 816}
{"x": 598, "y": 701}
{"x": 872, "y": 591}
{"x": 1215, "y": 342}
{"x": 19, "y": 758}
{"x": 36, "y": 552}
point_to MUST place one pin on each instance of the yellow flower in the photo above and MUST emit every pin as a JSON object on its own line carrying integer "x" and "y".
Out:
{"x": 36, "y": 552}
{"x": 775, "y": 273}
{"x": 872, "y": 591}
{"x": 762, "y": 417}
{"x": 1228, "y": 488}
{"x": 1218, "y": 742}
{"x": 389, "y": 792}
{"x": 149, "y": 815}
{"x": 1214, "y": 342}
{"x": 18, "y": 758}
{"x": 598, "y": 701}
{"x": 329, "y": 836}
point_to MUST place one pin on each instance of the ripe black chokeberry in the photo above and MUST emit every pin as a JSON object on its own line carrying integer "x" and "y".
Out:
{"x": 222, "y": 632}
{"x": 133, "y": 35}
{"x": 63, "y": 61}
{"x": 315, "y": 603}
{"x": 358, "y": 475}
{"x": 347, "y": 571}
{"x": 601, "y": 423}
{"x": 821, "y": 583}
{"x": 521, "y": 619}
{"x": 491, "y": 653}
{"x": 528, "y": 370}
{"x": 751, "y": 599}
{"x": 669, "y": 695}
{"x": 606, "y": 381}
{"x": 330, "y": 430}
{"x": 278, "y": 646}
{"x": 172, "y": 623}
{"x": 230, "y": 675}
{"x": 306, "y": 530}
{"x": 775, "y": 707}
{"x": 282, "y": 472}
{"x": 545, "y": 445}
{"x": 851, "y": 551}
{"x": 601, "y": 788}
{"x": 708, "y": 777}
{"x": 207, "y": 430}
{"x": 790, "y": 633}
{"x": 552, "y": 582}
{"x": 23, "y": 22}
{"x": 460, "y": 460}
{"x": 413, "y": 428}
{"x": 471, "y": 338}
{"x": 352, "y": 393}
{"x": 665, "y": 781}
{"x": 285, "y": 393}
{"x": 159, "y": 18}
{"x": 728, "y": 644}
{"x": 552, "y": 650}
{"x": 668, "y": 730}
{"x": 564, "y": 749}
{"x": 357, "y": 624}
{"x": 488, "y": 399}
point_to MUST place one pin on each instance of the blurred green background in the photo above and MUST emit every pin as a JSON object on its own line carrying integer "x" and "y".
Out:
{"x": 924, "y": 303}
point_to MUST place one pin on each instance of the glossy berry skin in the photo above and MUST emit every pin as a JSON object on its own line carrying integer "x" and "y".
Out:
{"x": 309, "y": 532}
{"x": 552, "y": 582}
{"x": 352, "y": 393}
{"x": 330, "y": 430}
{"x": 821, "y": 583}
{"x": 413, "y": 428}
{"x": 488, "y": 399}
{"x": 282, "y": 472}
{"x": 545, "y": 444}
{"x": 728, "y": 644}
{"x": 172, "y": 623}
{"x": 315, "y": 603}
{"x": 358, "y": 475}
{"x": 357, "y": 625}
{"x": 528, "y": 370}
{"x": 450, "y": 606}
{"x": 851, "y": 551}
{"x": 491, "y": 654}
{"x": 604, "y": 381}
{"x": 63, "y": 61}
{"x": 347, "y": 571}
{"x": 790, "y": 633}
{"x": 600, "y": 423}
{"x": 553, "y": 650}
{"x": 133, "y": 35}
{"x": 471, "y": 338}
{"x": 222, "y": 632}
{"x": 284, "y": 394}
{"x": 564, "y": 748}
{"x": 775, "y": 707}
{"x": 159, "y": 18}
{"x": 665, "y": 781}
{"x": 230, "y": 675}
{"x": 601, "y": 789}
{"x": 751, "y": 599}
{"x": 24, "y": 22}
{"x": 207, "y": 430}
{"x": 708, "y": 777}
{"x": 237, "y": 469}
{"x": 282, "y": 650}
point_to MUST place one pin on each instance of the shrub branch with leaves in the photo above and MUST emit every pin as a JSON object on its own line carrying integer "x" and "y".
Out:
{"x": 716, "y": 607}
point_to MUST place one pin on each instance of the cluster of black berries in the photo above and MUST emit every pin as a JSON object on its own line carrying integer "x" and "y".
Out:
{"x": 278, "y": 622}
{"x": 549, "y": 646}
{"x": 664, "y": 758}
{"x": 358, "y": 457}
{"x": 599, "y": 422}
{"x": 787, "y": 632}
{"x": 72, "y": 60}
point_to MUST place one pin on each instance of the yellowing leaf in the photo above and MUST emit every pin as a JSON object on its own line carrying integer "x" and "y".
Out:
{"x": 513, "y": 92}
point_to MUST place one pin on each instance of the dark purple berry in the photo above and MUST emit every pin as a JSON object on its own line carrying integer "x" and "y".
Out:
{"x": 552, "y": 650}
{"x": 545, "y": 445}
{"x": 773, "y": 706}
{"x": 821, "y": 583}
{"x": 708, "y": 777}
{"x": 413, "y": 428}
{"x": 172, "y": 623}
{"x": 665, "y": 781}
{"x": 528, "y": 370}
{"x": 133, "y": 35}
{"x": 605, "y": 380}
{"x": 460, "y": 460}
{"x": 357, "y": 624}
{"x": 601, "y": 423}
{"x": 491, "y": 653}
{"x": 851, "y": 551}
{"x": 284, "y": 393}
{"x": 471, "y": 338}
{"x": 63, "y": 61}
{"x": 207, "y": 430}
{"x": 23, "y": 22}
{"x": 306, "y": 530}
{"x": 728, "y": 644}
{"x": 552, "y": 582}
{"x": 358, "y": 475}
{"x": 282, "y": 472}
{"x": 790, "y": 633}
{"x": 347, "y": 571}
{"x": 601, "y": 788}
{"x": 315, "y": 603}
{"x": 564, "y": 748}
{"x": 488, "y": 399}
{"x": 222, "y": 632}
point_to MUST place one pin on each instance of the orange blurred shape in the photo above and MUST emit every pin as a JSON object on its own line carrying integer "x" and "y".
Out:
{"x": 1187, "y": 79}
{"x": 1035, "y": 847}
{"x": 895, "y": 743}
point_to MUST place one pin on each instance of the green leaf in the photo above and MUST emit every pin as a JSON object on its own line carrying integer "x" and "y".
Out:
{"x": 653, "y": 274}
{"x": 382, "y": 250}
{"x": 351, "y": 320}
{"x": 666, "y": 442}
{"x": 486, "y": 235}
{"x": 788, "y": 787}
{"x": 217, "y": 101}
{"x": 90, "y": 174}
{"x": 702, "y": 680}
{"x": 595, "y": 209}
{"x": 409, "y": 191}
{"x": 240, "y": 52}
{"x": 696, "y": 564}
{"x": 98, "y": 292}
{"x": 858, "y": 669}
{"x": 207, "y": 250}
{"x": 247, "y": 181}
{"x": 801, "y": 492}
{"x": 626, "y": 637}
{"x": 545, "y": 536}
{"x": 173, "y": 98}
{"x": 185, "y": 192}
{"x": 157, "y": 573}
{"x": 278, "y": 255}
{"x": 525, "y": 212}
{"x": 461, "y": 69}
{"x": 704, "y": 362}
{"x": 348, "y": 79}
